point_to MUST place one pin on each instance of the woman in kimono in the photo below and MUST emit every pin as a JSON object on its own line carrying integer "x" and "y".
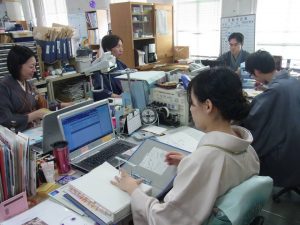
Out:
{"x": 20, "y": 104}
{"x": 223, "y": 159}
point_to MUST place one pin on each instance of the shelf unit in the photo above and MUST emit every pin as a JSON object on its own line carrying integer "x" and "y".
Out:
{"x": 5, "y": 48}
{"x": 135, "y": 23}
{"x": 67, "y": 88}
{"x": 97, "y": 26}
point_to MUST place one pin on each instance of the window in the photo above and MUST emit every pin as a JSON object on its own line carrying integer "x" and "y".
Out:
{"x": 278, "y": 28}
{"x": 56, "y": 12}
{"x": 197, "y": 25}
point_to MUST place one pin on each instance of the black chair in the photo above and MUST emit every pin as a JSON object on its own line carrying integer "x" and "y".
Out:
{"x": 259, "y": 220}
{"x": 284, "y": 191}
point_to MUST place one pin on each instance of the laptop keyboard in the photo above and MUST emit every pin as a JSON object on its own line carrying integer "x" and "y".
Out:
{"x": 104, "y": 155}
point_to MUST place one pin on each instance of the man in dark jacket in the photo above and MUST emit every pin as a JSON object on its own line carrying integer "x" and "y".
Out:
{"x": 274, "y": 120}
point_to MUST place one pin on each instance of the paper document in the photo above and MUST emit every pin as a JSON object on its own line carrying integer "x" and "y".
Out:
{"x": 155, "y": 129}
{"x": 35, "y": 135}
{"x": 185, "y": 138}
{"x": 49, "y": 212}
{"x": 154, "y": 161}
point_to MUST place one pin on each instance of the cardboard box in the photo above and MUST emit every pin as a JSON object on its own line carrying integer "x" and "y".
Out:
{"x": 181, "y": 52}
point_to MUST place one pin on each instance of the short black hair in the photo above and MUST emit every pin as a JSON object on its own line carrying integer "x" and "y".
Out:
{"x": 238, "y": 36}
{"x": 110, "y": 41}
{"x": 223, "y": 88}
{"x": 17, "y": 56}
{"x": 260, "y": 60}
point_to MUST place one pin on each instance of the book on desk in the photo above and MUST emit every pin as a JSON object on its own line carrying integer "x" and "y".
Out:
{"x": 94, "y": 194}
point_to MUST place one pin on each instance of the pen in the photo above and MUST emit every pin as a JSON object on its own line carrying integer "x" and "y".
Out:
{"x": 124, "y": 161}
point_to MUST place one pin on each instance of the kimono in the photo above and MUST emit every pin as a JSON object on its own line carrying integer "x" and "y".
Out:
{"x": 234, "y": 63}
{"x": 275, "y": 125}
{"x": 220, "y": 162}
{"x": 16, "y": 103}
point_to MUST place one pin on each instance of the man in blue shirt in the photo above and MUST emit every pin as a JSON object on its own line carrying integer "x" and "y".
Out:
{"x": 111, "y": 86}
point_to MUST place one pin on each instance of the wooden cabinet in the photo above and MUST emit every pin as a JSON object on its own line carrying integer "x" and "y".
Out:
{"x": 97, "y": 25}
{"x": 141, "y": 24}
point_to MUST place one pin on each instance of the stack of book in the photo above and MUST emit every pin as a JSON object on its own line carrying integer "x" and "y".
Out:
{"x": 94, "y": 195}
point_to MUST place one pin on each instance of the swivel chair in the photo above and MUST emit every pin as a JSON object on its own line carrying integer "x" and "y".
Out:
{"x": 242, "y": 204}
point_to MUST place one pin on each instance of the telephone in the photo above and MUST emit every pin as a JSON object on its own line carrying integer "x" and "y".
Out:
{"x": 195, "y": 68}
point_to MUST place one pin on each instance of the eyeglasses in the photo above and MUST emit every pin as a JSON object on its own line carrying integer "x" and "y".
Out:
{"x": 234, "y": 44}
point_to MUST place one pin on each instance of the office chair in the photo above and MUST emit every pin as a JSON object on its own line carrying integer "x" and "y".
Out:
{"x": 242, "y": 204}
{"x": 284, "y": 191}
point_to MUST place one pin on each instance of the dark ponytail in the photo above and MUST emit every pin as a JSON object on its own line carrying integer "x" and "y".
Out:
{"x": 224, "y": 89}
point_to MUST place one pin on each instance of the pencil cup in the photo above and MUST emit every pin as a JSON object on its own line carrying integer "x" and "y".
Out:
{"x": 61, "y": 155}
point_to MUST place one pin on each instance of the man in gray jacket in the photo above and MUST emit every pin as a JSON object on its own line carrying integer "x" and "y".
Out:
{"x": 236, "y": 55}
{"x": 274, "y": 120}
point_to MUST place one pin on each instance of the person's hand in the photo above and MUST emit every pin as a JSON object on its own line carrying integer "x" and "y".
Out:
{"x": 65, "y": 104}
{"x": 126, "y": 182}
{"x": 173, "y": 158}
{"x": 113, "y": 95}
{"x": 238, "y": 71}
{"x": 37, "y": 114}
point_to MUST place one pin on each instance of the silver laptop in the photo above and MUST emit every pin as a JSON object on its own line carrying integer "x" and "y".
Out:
{"x": 51, "y": 130}
{"x": 90, "y": 136}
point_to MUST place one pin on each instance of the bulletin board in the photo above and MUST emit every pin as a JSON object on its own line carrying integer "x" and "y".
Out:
{"x": 244, "y": 24}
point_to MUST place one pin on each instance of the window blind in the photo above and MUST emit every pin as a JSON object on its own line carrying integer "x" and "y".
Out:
{"x": 197, "y": 25}
{"x": 278, "y": 27}
{"x": 56, "y": 12}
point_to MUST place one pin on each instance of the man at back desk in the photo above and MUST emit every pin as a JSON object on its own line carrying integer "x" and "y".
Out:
{"x": 111, "y": 86}
{"x": 236, "y": 55}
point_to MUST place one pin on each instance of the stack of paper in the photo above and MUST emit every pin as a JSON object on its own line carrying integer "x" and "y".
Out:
{"x": 95, "y": 192}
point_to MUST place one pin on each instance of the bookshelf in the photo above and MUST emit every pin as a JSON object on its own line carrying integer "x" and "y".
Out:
{"x": 97, "y": 27}
{"x": 136, "y": 23}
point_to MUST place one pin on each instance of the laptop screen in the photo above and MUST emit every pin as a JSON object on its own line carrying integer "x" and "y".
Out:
{"x": 90, "y": 123}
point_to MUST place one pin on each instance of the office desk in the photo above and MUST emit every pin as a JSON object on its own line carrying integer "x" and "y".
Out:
{"x": 194, "y": 134}
{"x": 164, "y": 67}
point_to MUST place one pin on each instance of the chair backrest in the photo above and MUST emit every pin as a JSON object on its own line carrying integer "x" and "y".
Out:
{"x": 241, "y": 204}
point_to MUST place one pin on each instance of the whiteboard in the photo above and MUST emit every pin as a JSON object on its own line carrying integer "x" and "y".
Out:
{"x": 79, "y": 23}
{"x": 244, "y": 24}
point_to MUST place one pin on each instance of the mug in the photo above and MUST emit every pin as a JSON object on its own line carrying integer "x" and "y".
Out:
{"x": 61, "y": 155}
{"x": 136, "y": 35}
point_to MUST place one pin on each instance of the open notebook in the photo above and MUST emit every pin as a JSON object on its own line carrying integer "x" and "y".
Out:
{"x": 90, "y": 136}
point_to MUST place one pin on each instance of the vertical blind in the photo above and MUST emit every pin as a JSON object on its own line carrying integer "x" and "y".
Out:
{"x": 197, "y": 25}
{"x": 278, "y": 27}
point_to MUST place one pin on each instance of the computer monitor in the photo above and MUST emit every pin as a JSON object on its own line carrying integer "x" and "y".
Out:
{"x": 86, "y": 125}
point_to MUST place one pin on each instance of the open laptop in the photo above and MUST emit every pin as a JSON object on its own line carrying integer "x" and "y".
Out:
{"x": 50, "y": 128}
{"x": 90, "y": 136}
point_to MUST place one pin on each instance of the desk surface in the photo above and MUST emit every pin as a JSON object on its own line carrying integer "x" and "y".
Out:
{"x": 52, "y": 216}
{"x": 164, "y": 67}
